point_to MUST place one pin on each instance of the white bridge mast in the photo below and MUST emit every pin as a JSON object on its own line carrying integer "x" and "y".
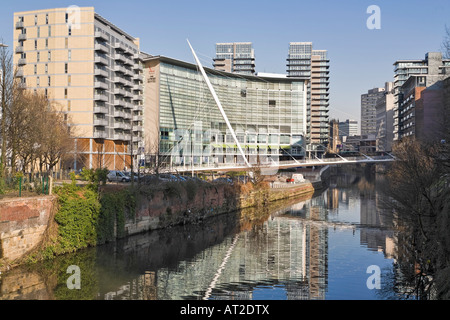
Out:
{"x": 219, "y": 105}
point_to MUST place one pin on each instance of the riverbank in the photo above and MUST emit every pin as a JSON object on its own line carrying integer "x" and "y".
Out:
{"x": 122, "y": 212}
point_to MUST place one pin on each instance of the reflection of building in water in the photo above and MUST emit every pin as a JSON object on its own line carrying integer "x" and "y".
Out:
{"x": 141, "y": 288}
{"x": 284, "y": 251}
{"x": 374, "y": 216}
{"x": 333, "y": 198}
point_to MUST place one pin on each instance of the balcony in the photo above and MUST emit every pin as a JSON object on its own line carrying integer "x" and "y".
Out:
{"x": 101, "y": 109}
{"x": 19, "y": 73}
{"x": 120, "y": 68}
{"x": 137, "y": 56}
{"x": 101, "y": 97}
{"x": 137, "y": 97}
{"x": 119, "y": 125}
{"x": 101, "y": 47}
{"x": 101, "y": 85}
{"x": 101, "y": 35}
{"x": 101, "y": 72}
{"x": 128, "y": 106}
{"x": 137, "y": 138}
{"x": 119, "y": 91}
{"x": 128, "y": 115}
{"x": 126, "y": 126}
{"x": 22, "y": 37}
{"x": 101, "y": 122}
{"x": 129, "y": 61}
{"x": 119, "y": 57}
{"x": 138, "y": 77}
{"x": 121, "y": 136}
{"x": 119, "y": 114}
{"x": 129, "y": 72}
{"x": 100, "y": 135}
{"x": 118, "y": 46}
{"x": 137, "y": 117}
{"x": 129, "y": 94}
{"x": 19, "y": 49}
{"x": 101, "y": 60}
{"x": 128, "y": 84}
{"x": 120, "y": 80}
{"x": 138, "y": 67}
{"x": 138, "y": 87}
{"x": 19, "y": 25}
{"x": 22, "y": 62}
{"x": 137, "y": 128}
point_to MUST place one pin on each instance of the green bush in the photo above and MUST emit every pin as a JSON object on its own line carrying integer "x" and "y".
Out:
{"x": 95, "y": 177}
{"x": 77, "y": 218}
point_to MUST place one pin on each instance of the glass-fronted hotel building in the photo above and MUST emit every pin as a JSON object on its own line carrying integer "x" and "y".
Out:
{"x": 183, "y": 125}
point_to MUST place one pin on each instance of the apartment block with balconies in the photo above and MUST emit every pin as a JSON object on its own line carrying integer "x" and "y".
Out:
{"x": 313, "y": 66}
{"x": 93, "y": 70}
{"x": 236, "y": 57}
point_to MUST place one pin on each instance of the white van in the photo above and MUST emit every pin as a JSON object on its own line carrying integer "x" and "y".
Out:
{"x": 298, "y": 177}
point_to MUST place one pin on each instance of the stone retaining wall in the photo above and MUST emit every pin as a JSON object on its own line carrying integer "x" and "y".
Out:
{"x": 23, "y": 222}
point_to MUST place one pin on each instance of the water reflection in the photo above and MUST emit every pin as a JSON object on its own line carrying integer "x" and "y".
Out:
{"x": 307, "y": 248}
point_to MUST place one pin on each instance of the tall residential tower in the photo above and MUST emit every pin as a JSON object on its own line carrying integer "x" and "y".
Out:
{"x": 368, "y": 110}
{"x": 236, "y": 57}
{"x": 314, "y": 67}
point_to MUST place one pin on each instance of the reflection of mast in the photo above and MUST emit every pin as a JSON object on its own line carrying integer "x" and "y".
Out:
{"x": 219, "y": 105}
{"x": 219, "y": 271}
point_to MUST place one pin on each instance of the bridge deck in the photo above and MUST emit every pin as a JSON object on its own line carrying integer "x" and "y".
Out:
{"x": 281, "y": 164}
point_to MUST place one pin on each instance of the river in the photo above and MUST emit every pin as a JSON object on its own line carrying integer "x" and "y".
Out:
{"x": 337, "y": 245}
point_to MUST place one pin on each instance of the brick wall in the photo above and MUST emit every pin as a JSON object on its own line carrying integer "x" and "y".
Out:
{"x": 23, "y": 222}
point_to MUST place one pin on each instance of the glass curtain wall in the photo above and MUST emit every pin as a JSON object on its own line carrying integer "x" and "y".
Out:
{"x": 267, "y": 117}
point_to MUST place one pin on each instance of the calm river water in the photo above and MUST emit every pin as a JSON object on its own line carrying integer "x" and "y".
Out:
{"x": 332, "y": 246}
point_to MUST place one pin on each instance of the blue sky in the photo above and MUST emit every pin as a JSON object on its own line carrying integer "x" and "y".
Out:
{"x": 360, "y": 58}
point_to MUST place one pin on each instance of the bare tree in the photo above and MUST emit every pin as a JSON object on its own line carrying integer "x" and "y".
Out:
{"x": 6, "y": 88}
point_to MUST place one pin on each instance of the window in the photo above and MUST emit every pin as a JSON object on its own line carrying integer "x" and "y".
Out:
{"x": 46, "y": 18}
{"x": 69, "y": 80}
{"x": 39, "y": 32}
{"x": 46, "y": 43}
{"x": 272, "y": 103}
{"x": 65, "y": 93}
{"x": 70, "y": 55}
{"x": 49, "y": 81}
{"x": 66, "y": 68}
{"x": 49, "y": 56}
{"x": 67, "y": 43}
{"x": 38, "y": 57}
{"x": 69, "y": 105}
{"x": 35, "y": 69}
{"x": 70, "y": 30}
{"x": 38, "y": 81}
{"x": 35, "y": 20}
{"x": 35, "y": 44}
{"x": 46, "y": 68}
{"x": 49, "y": 31}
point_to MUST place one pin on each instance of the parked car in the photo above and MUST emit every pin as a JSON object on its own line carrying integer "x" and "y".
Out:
{"x": 170, "y": 177}
{"x": 136, "y": 177}
{"x": 223, "y": 180}
{"x": 117, "y": 176}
